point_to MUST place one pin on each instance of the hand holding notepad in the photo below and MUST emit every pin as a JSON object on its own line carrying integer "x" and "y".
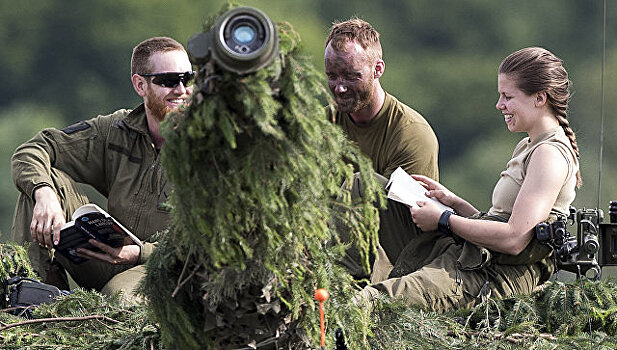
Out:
{"x": 405, "y": 189}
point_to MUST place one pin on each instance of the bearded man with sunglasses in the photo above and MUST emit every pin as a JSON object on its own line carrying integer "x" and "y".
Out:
{"x": 118, "y": 155}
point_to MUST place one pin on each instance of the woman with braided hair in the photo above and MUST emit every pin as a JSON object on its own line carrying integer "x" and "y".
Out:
{"x": 453, "y": 260}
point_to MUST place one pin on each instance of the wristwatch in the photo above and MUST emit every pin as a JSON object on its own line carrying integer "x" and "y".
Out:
{"x": 444, "y": 222}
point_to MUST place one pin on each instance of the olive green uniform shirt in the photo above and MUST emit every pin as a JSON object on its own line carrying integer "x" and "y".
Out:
{"x": 396, "y": 136}
{"x": 114, "y": 154}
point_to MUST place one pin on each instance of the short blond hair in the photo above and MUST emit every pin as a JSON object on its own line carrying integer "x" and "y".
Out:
{"x": 140, "y": 60}
{"x": 356, "y": 30}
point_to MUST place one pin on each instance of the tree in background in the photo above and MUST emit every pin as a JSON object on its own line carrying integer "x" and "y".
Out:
{"x": 441, "y": 56}
{"x": 18, "y": 123}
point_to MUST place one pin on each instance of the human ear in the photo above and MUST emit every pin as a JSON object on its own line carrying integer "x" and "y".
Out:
{"x": 139, "y": 84}
{"x": 540, "y": 98}
{"x": 380, "y": 67}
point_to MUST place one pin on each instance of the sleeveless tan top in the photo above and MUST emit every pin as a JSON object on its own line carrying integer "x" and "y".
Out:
{"x": 510, "y": 182}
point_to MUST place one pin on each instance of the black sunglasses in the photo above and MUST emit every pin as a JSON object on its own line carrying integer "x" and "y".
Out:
{"x": 171, "y": 80}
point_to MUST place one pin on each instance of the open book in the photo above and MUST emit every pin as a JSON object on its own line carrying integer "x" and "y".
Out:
{"x": 405, "y": 189}
{"x": 91, "y": 222}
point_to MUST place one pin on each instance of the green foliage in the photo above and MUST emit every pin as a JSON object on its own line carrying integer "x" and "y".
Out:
{"x": 82, "y": 320}
{"x": 89, "y": 320}
{"x": 439, "y": 62}
{"x": 257, "y": 172}
{"x": 401, "y": 327}
{"x": 14, "y": 262}
{"x": 565, "y": 313}
{"x": 567, "y": 308}
{"x": 557, "y": 315}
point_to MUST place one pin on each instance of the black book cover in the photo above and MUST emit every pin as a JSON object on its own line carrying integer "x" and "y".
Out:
{"x": 91, "y": 223}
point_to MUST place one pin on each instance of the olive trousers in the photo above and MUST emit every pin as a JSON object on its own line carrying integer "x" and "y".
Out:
{"x": 434, "y": 270}
{"x": 103, "y": 277}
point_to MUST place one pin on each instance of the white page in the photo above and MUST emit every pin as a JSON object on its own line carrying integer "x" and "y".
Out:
{"x": 405, "y": 189}
{"x": 93, "y": 208}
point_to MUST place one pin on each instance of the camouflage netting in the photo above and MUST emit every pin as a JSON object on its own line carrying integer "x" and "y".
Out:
{"x": 257, "y": 171}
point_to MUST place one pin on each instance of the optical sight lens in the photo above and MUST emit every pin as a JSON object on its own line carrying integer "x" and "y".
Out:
{"x": 244, "y": 34}
{"x": 242, "y": 40}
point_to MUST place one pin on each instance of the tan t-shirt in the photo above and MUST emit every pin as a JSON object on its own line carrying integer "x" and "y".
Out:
{"x": 396, "y": 136}
{"x": 510, "y": 182}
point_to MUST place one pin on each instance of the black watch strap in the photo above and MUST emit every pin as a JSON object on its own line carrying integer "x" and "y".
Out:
{"x": 444, "y": 222}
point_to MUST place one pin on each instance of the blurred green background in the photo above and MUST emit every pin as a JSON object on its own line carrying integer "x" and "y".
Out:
{"x": 64, "y": 61}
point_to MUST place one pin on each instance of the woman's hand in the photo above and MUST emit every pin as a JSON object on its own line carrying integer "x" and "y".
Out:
{"x": 426, "y": 216}
{"x": 438, "y": 191}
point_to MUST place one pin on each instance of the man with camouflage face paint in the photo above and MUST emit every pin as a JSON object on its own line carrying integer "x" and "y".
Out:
{"x": 389, "y": 132}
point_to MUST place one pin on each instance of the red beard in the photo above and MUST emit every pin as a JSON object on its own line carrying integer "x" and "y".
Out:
{"x": 157, "y": 107}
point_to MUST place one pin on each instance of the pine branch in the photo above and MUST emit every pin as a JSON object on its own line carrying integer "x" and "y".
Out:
{"x": 60, "y": 319}
{"x": 13, "y": 308}
{"x": 518, "y": 337}
{"x": 183, "y": 282}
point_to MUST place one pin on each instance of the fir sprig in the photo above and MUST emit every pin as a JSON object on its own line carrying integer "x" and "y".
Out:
{"x": 82, "y": 320}
{"x": 78, "y": 321}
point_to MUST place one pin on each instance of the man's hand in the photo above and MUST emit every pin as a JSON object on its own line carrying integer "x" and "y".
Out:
{"x": 123, "y": 255}
{"x": 47, "y": 217}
